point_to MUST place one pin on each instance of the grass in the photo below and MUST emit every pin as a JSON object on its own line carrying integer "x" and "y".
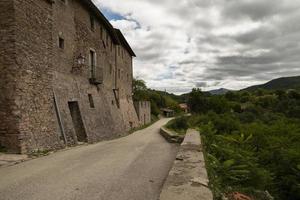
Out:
{"x": 178, "y": 125}
{"x": 39, "y": 153}
{"x": 178, "y": 132}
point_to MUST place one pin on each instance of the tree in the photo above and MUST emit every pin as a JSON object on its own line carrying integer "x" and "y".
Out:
{"x": 197, "y": 102}
{"x": 140, "y": 90}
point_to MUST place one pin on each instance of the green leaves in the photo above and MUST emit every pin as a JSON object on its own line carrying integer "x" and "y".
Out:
{"x": 228, "y": 163}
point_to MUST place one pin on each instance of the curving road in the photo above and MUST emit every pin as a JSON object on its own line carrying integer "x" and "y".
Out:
{"x": 129, "y": 168}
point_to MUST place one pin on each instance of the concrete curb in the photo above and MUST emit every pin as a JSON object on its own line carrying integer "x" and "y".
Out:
{"x": 170, "y": 136}
{"x": 188, "y": 178}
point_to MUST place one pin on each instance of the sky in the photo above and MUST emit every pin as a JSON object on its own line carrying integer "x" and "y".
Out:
{"x": 209, "y": 44}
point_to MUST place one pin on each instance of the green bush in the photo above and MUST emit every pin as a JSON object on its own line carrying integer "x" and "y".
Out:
{"x": 179, "y": 124}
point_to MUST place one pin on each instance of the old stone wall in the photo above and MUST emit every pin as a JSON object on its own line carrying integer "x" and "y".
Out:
{"x": 105, "y": 120}
{"x": 8, "y": 76}
{"x": 143, "y": 109}
{"x": 34, "y": 95}
{"x": 42, "y": 41}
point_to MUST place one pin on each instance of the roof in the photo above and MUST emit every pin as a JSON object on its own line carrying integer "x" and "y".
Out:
{"x": 116, "y": 35}
{"x": 166, "y": 110}
{"x": 183, "y": 105}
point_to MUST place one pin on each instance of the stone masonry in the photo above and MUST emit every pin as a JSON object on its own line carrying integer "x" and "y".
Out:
{"x": 66, "y": 76}
{"x": 143, "y": 109}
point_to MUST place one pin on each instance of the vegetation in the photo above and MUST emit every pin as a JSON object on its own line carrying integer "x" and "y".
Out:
{"x": 158, "y": 99}
{"x": 251, "y": 141}
{"x": 179, "y": 125}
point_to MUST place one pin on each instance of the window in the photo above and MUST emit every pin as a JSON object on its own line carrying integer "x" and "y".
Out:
{"x": 92, "y": 20}
{"x": 61, "y": 43}
{"x": 92, "y": 63}
{"x": 101, "y": 33}
{"x": 91, "y": 100}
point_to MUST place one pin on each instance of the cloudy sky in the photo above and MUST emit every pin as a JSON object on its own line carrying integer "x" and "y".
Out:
{"x": 209, "y": 43}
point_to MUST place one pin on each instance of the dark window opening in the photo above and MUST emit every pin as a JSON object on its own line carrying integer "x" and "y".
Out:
{"x": 92, "y": 63}
{"x": 61, "y": 43}
{"x": 92, "y": 20}
{"x": 91, "y": 100}
{"x": 101, "y": 33}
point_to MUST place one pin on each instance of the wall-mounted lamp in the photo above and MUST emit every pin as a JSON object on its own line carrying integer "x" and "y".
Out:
{"x": 79, "y": 64}
{"x": 81, "y": 59}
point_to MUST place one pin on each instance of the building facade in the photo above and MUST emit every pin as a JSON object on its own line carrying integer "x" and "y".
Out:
{"x": 143, "y": 109}
{"x": 66, "y": 75}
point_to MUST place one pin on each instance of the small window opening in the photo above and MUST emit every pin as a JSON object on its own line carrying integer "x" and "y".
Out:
{"x": 101, "y": 32}
{"x": 91, "y": 100}
{"x": 92, "y": 63}
{"x": 92, "y": 20}
{"x": 61, "y": 43}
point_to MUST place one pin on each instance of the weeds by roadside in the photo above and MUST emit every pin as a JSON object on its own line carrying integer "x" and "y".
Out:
{"x": 39, "y": 153}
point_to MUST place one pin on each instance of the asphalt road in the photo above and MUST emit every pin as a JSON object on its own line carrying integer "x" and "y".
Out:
{"x": 129, "y": 168}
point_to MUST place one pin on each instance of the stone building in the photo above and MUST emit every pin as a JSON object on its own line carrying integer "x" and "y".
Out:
{"x": 143, "y": 109}
{"x": 66, "y": 75}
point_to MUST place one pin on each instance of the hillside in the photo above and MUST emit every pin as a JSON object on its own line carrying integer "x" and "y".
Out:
{"x": 220, "y": 91}
{"x": 278, "y": 84}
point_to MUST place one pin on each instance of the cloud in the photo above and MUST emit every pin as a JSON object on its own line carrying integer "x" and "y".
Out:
{"x": 209, "y": 43}
{"x": 201, "y": 84}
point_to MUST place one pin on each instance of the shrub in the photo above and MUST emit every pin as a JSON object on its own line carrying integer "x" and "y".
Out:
{"x": 179, "y": 124}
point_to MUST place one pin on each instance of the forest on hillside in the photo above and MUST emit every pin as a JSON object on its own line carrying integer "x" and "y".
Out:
{"x": 251, "y": 141}
{"x": 158, "y": 99}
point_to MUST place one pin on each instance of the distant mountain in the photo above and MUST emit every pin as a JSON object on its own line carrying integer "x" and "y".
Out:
{"x": 284, "y": 83}
{"x": 220, "y": 91}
